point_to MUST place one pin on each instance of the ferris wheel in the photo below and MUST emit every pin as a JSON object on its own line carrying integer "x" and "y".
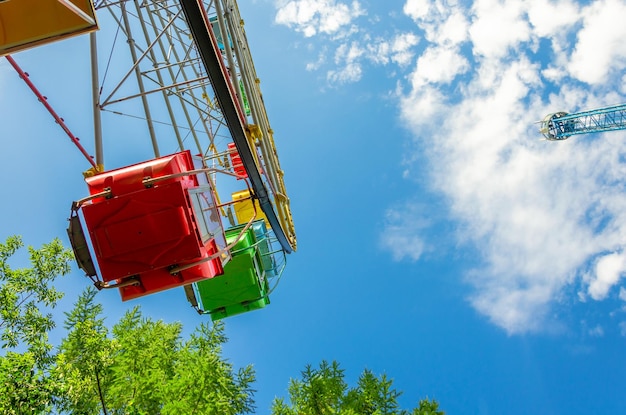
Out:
{"x": 209, "y": 211}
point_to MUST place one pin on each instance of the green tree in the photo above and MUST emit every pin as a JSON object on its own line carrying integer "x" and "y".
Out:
{"x": 142, "y": 366}
{"x": 427, "y": 407}
{"x": 26, "y": 384}
{"x": 373, "y": 395}
{"x": 319, "y": 392}
{"x": 145, "y": 367}
{"x": 323, "y": 391}
{"x": 204, "y": 383}
{"x": 85, "y": 358}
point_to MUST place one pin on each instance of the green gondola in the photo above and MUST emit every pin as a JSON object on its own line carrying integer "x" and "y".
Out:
{"x": 244, "y": 286}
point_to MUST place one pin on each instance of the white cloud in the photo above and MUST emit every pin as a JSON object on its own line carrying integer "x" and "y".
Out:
{"x": 443, "y": 22}
{"x": 321, "y": 59}
{"x": 355, "y": 46}
{"x": 350, "y": 57}
{"x": 348, "y": 53}
{"x": 552, "y": 18}
{"x": 347, "y": 58}
{"x": 402, "y": 236}
{"x": 438, "y": 65}
{"x": 418, "y": 9}
{"x": 402, "y": 245}
{"x": 596, "y": 331}
{"x": 351, "y": 72}
{"x": 398, "y": 50}
{"x": 537, "y": 212}
{"x": 454, "y": 29}
{"x": 498, "y": 27}
{"x": 421, "y": 105}
{"x": 543, "y": 216}
{"x": 317, "y": 16}
{"x": 553, "y": 74}
{"x": 515, "y": 309}
{"x": 401, "y": 48}
{"x": 601, "y": 47}
{"x": 528, "y": 206}
{"x": 608, "y": 270}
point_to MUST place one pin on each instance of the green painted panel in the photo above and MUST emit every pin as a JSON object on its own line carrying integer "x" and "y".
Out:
{"x": 243, "y": 286}
{"x": 267, "y": 261}
{"x": 234, "y": 309}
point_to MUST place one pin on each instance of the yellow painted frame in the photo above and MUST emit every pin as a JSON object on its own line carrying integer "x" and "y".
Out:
{"x": 28, "y": 23}
{"x": 246, "y": 209}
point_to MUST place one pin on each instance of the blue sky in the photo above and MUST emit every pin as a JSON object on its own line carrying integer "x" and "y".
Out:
{"x": 439, "y": 240}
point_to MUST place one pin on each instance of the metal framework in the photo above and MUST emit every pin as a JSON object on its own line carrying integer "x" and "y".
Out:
{"x": 561, "y": 125}
{"x": 209, "y": 101}
{"x": 44, "y": 102}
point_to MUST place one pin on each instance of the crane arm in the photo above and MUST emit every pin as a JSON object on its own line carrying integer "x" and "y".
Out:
{"x": 561, "y": 125}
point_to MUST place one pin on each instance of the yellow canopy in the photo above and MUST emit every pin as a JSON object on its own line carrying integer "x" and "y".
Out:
{"x": 28, "y": 23}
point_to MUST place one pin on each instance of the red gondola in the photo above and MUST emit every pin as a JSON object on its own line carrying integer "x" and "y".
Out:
{"x": 151, "y": 226}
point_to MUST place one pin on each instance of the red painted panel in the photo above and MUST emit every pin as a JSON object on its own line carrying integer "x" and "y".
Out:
{"x": 144, "y": 232}
{"x": 129, "y": 179}
{"x": 147, "y": 231}
{"x": 236, "y": 161}
{"x": 141, "y": 231}
{"x": 160, "y": 280}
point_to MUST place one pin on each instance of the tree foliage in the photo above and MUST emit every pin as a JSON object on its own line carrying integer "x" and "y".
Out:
{"x": 323, "y": 391}
{"x": 141, "y": 366}
{"x": 26, "y": 296}
{"x": 427, "y": 407}
{"x": 85, "y": 357}
{"x": 23, "y": 291}
{"x": 145, "y": 367}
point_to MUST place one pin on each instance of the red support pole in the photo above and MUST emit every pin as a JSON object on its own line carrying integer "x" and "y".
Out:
{"x": 56, "y": 117}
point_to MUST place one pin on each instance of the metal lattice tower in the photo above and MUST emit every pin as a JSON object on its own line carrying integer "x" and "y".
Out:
{"x": 168, "y": 74}
{"x": 216, "y": 204}
{"x": 561, "y": 125}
